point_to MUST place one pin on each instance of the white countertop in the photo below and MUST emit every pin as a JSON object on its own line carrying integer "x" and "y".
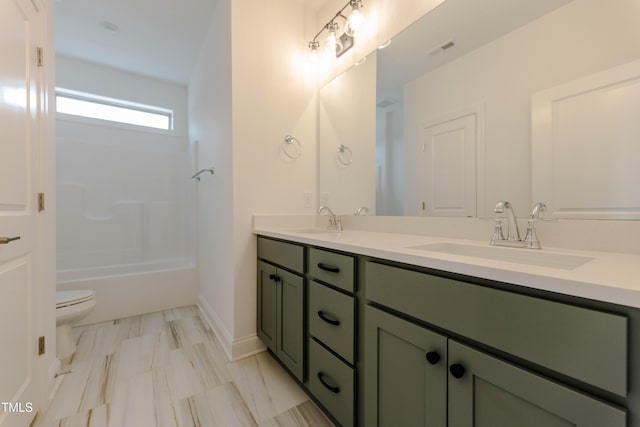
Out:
{"x": 609, "y": 277}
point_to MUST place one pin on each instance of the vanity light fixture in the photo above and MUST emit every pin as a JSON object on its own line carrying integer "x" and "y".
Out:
{"x": 356, "y": 19}
{"x": 352, "y": 26}
{"x": 334, "y": 44}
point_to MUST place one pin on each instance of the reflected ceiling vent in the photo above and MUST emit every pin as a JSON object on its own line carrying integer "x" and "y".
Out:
{"x": 386, "y": 103}
{"x": 442, "y": 48}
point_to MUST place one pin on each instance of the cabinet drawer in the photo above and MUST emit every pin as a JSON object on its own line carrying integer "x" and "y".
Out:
{"x": 331, "y": 319}
{"x": 332, "y": 382}
{"x": 285, "y": 254}
{"x": 334, "y": 269}
{"x": 585, "y": 344}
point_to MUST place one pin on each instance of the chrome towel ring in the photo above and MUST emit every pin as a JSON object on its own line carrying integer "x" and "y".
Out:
{"x": 344, "y": 155}
{"x": 292, "y": 147}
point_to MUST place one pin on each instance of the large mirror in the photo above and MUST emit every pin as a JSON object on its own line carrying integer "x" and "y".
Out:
{"x": 449, "y": 129}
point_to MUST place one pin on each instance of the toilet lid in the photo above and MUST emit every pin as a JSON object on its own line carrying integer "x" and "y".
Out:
{"x": 65, "y": 298}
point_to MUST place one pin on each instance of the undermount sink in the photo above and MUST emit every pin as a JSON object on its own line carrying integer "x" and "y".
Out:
{"x": 519, "y": 256}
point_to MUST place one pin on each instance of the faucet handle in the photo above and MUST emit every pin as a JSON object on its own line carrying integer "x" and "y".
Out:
{"x": 362, "y": 209}
{"x": 531, "y": 238}
{"x": 497, "y": 233}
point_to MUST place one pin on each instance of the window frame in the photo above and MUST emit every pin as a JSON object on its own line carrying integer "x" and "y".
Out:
{"x": 118, "y": 103}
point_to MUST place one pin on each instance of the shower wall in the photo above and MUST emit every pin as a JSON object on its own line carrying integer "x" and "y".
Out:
{"x": 125, "y": 197}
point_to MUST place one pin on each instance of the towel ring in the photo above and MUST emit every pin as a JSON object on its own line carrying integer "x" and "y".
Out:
{"x": 290, "y": 141}
{"x": 342, "y": 149}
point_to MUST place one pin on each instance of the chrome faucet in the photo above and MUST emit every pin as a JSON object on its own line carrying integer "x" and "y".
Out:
{"x": 334, "y": 222}
{"x": 537, "y": 209}
{"x": 513, "y": 234}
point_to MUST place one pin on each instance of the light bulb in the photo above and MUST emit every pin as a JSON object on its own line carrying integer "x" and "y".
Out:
{"x": 314, "y": 51}
{"x": 355, "y": 21}
{"x": 334, "y": 45}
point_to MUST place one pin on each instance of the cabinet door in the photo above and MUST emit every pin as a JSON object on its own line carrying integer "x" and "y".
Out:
{"x": 487, "y": 392}
{"x": 290, "y": 341}
{"x": 267, "y": 304}
{"x": 405, "y": 373}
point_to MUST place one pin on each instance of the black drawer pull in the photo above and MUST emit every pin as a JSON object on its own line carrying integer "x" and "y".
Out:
{"x": 457, "y": 370}
{"x": 329, "y": 268}
{"x": 323, "y": 316}
{"x": 433, "y": 357}
{"x": 332, "y": 389}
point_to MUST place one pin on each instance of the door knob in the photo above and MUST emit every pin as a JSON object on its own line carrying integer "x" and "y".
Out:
{"x": 6, "y": 240}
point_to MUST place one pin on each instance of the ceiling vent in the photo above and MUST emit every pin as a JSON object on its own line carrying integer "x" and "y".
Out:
{"x": 442, "y": 48}
{"x": 385, "y": 103}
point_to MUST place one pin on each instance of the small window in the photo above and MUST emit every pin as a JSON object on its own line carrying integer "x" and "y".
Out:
{"x": 114, "y": 110}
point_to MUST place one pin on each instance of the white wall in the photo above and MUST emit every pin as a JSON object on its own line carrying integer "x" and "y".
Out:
{"x": 210, "y": 125}
{"x": 503, "y": 75}
{"x": 124, "y": 193}
{"x": 271, "y": 98}
{"x": 240, "y": 124}
{"x": 390, "y": 160}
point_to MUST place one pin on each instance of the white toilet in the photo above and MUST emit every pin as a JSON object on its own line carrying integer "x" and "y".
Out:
{"x": 70, "y": 306}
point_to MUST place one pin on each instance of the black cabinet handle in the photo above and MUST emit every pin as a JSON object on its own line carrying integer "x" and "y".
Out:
{"x": 457, "y": 370}
{"x": 274, "y": 278}
{"x": 323, "y": 316}
{"x": 331, "y": 388}
{"x": 329, "y": 268}
{"x": 433, "y": 357}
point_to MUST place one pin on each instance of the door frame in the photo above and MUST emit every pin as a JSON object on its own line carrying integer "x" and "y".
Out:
{"x": 478, "y": 110}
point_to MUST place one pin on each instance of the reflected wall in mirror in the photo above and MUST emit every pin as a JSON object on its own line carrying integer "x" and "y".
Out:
{"x": 454, "y": 99}
{"x": 346, "y": 118}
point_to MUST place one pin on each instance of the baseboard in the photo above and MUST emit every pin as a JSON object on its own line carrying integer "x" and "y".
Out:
{"x": 235, "y": 349}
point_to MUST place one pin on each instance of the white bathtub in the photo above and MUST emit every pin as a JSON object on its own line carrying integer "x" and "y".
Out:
{"x": 133, "y": 289}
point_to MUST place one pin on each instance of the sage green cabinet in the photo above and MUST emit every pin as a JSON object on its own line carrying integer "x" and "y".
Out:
{"x": 492, "y": 393}
{"x": 281, "y": 315}
{"x": 416, "y": 377}
{"x": 405, "y": 373}
{"x": 267, "y": 304}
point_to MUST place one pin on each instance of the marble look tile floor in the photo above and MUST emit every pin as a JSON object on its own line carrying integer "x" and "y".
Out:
{"x": 167, "y": 369}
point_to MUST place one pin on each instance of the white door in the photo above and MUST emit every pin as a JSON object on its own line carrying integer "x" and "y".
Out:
{"x": 450, "y": 168}
{"x": 18, "y": 208}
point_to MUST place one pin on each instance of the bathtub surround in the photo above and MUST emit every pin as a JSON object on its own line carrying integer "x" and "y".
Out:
{"x": 125, "y": 217}
{"x": 124, "y": 193}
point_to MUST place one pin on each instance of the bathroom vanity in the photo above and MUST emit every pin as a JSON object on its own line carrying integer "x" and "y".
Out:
{"x": 387, "y": 329}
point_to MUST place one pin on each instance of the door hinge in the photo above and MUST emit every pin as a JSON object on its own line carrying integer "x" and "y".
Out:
{"x": 40, "y": 55}
{"x": 40, "y": 202}
{"x": 41, "y": 347}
